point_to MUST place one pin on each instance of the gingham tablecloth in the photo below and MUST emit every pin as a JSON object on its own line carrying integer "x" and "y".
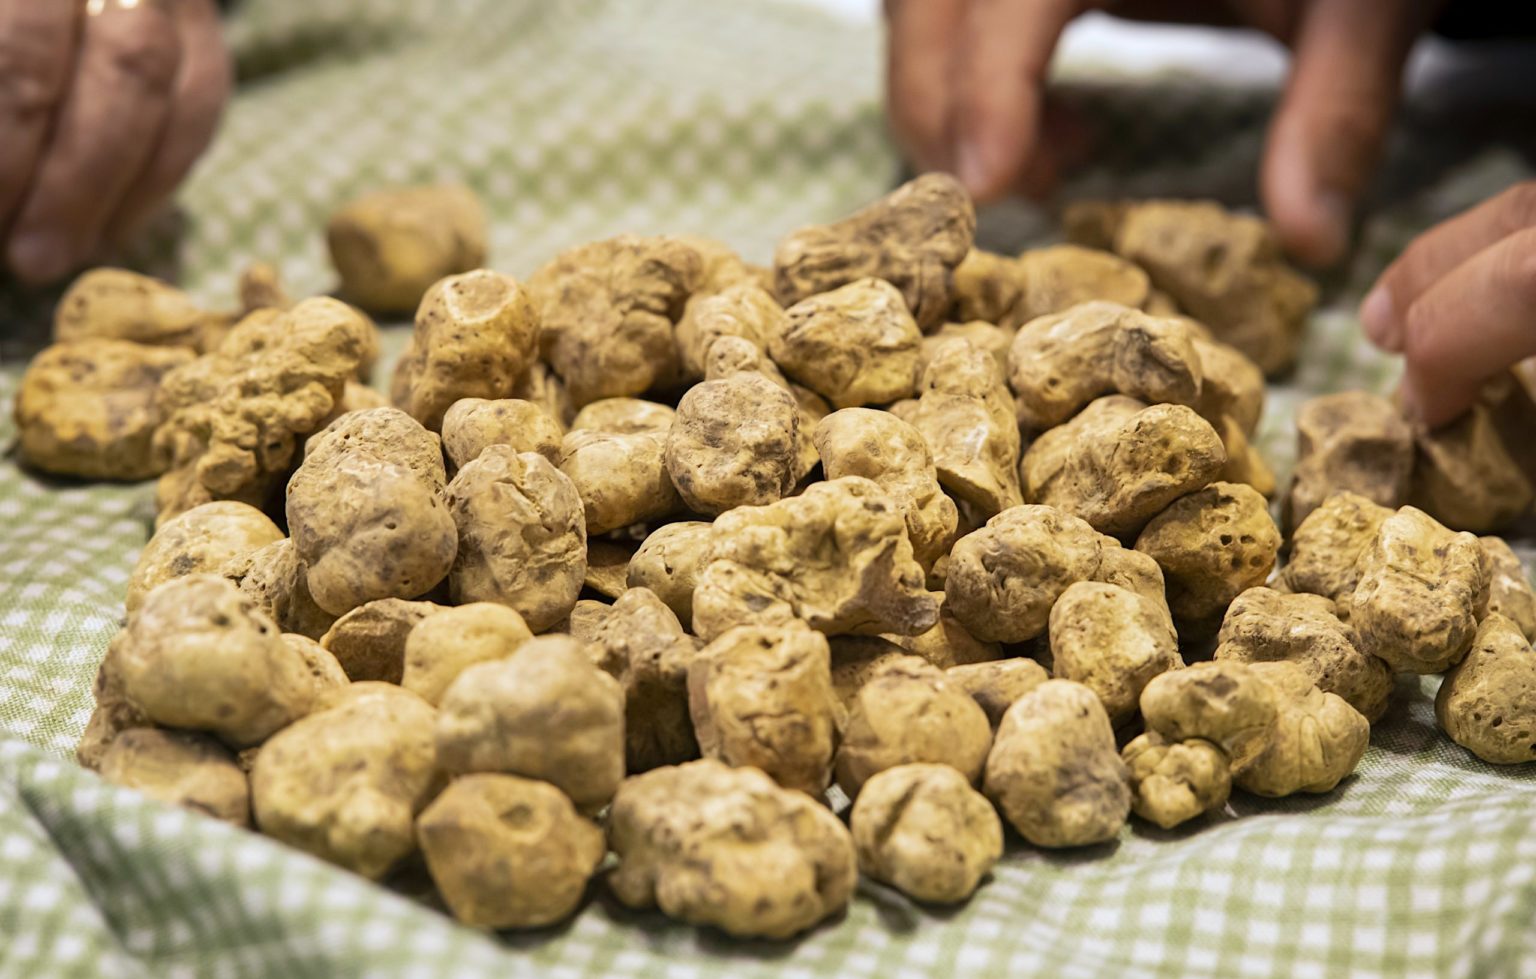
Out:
{"x": 581, "y": 119}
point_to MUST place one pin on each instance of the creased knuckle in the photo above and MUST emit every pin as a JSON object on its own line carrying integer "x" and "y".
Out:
{"x": 31, "y": 77}
{"x": 142, "y": 50}
{"x": 1519, "y": 205}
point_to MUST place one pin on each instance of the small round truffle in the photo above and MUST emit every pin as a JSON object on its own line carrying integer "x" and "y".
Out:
{"x": 522, "y": 536}
{"x": 1173, "y": 782}
{"x": 855, "y": 345}
{"x": 214, "y": 538}
{"x": 87, "y": 408}
{"x": 734, "y": 443}
{"x": 669, "y": 562}
{"x": 345, "y": 782}
{"x": 908, "y": 712}
{"x": 390, "y": 246}
{"x": 922, "y": 829}
{"x": 443, "y": 645}
{"x": 181, "y": 768}
{"x": 508, "y": 852}
{"x": 761, "y": 695}
{"x": 715, "y": 845}
{"x": 1054, "y": 771}
{"x": 621, "y": 477}
{"x": 497, "y": 717}
{"x": 471, "y": 424}
{"x": 199, "y": 655}
{"x": 367, "y": 514}
{"x": 1112, "y": 641}
{"x": 1212, "y": 545}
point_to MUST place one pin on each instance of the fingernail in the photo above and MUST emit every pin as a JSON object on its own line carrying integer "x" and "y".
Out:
{"x": 1378, "y": 315}
{"x": 39, "y": 256}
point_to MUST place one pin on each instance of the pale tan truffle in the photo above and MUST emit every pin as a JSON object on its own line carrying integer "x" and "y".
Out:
{"x": 522, "y": 536}
{"x": 965, "y": 413}
{"x": 1120, "y": 462}
{"x": 922, "y": 829}
{"x": 909, "y": 712}
{"x": 1173, "y": 782}
{"x": 1263, "y": 625}
{"x": 446, "y": 643}
{"x": 496, "y": 717}
{"x": 116, "y": 304}
{"x": 199, "y": 655}
{"x": 1421, "y": 592}
{"x": 389, "y": 246}
{"x": 913, "y": 238}
{"x": 471, "y": 424}
{"x": 1226, "y": 703}
{"x": 881, "y": 447}
{"x": 713, "y": 845}
{"x": 508, "y": 852}
{"x": 669, "y": 561}
{"x": 1112, "y": 641}
{"x": 836, "y": 556}
{"x": 87, "y": 408}
{"x": 475, "y": 334}
{"x": 1212, "y": 545}
{"x": 735, "y": 442}
{"x": 1053, "y": 770}
{"x": 1059, "y": 363}
{"x": 856, "y": 345}
{"x": 345, "y": 782}
{"x": 1487, "y": 702}
{"x": 607, "y": 310}
{"x": 181, "y": 768}
{"x": 621, "y": 477}
{"x": 761, "y": 695}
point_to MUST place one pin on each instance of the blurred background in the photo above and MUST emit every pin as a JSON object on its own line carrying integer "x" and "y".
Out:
{"x": 741, "y": 120}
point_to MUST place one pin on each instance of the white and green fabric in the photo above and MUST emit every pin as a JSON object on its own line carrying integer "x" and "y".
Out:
{"x": 576, "y": 120}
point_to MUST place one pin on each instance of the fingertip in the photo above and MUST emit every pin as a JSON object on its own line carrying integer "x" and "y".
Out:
{"x": 37, "y": 258}
{"x": 1313, "y": 226}
{"x": 1378, "y": 317}
{"x": 988, "y": 156}
{"x": 1430, "y": 403}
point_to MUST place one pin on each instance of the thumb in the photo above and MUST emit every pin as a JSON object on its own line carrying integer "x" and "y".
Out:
{"x": 1328, "y": 130}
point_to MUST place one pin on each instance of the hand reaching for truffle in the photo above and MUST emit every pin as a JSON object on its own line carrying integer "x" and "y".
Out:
{"x": 1460, "y": 304}
{"x": 105, "y": 105}
{"x": 967, "y": 92}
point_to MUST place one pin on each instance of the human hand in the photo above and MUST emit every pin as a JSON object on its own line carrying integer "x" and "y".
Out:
{"x": 104, "y": 106}
{"x": 1460, "y": 304}
{"x": 966, "y": 83}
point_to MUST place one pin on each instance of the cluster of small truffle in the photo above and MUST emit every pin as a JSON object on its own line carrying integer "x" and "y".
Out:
{"x": 646, "y": 554}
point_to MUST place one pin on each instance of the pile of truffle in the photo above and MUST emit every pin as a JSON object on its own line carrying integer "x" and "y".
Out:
{"x": 645, "y": 554}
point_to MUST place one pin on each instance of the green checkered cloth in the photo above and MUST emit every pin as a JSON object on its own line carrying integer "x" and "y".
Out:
{"x": 577, "y": 120}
